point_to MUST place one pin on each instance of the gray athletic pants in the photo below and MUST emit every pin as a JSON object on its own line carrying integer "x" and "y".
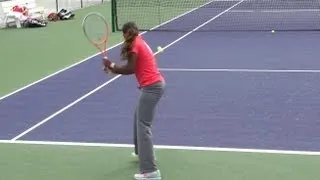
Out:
{"x": 143, "y": 118}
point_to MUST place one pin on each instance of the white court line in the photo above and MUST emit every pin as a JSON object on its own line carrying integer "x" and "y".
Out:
{"x": 91, "y": 57}
{"x": 166, "y": 147}
{"x": 275, "y": 11}
{"x": 242, "y": 70}
{"x": 114, "y": 78}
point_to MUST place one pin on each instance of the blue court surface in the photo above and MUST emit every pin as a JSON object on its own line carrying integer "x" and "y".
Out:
{"x": 241, "y": 90}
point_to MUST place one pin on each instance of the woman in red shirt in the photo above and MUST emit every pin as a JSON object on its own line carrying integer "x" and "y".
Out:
{"x": 141, "y": 62}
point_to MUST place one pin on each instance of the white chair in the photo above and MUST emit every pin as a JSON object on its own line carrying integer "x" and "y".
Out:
{"x": 14, "y": 17}
{"x": 9, "y": 17}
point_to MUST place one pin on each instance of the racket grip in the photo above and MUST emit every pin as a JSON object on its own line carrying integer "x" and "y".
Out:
{"x": 106, "y": 69}
{"x": 109, "y": 72}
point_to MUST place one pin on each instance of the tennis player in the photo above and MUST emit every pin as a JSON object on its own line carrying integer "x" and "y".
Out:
{"x": 142, "y": 63}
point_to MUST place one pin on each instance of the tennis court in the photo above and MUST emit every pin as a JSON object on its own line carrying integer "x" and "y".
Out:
{"x": 241, "y": 102}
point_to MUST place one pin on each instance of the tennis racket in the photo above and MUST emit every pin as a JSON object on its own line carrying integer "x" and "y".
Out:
{"x": 96, "y": 29}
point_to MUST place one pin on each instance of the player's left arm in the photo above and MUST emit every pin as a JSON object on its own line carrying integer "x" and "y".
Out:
{"x": 126, "y": 69}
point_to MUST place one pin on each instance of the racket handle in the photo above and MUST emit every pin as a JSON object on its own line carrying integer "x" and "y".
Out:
{"x": 109, "y": 72}
{"x": 112, "y": 66}
{"x": 105, "y": 69}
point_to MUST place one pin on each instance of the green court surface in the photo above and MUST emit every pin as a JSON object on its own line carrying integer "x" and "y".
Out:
{"x": 39, "y": 162}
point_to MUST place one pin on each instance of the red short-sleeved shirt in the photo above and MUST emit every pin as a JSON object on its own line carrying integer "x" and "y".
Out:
{"x": 146, "y": 70}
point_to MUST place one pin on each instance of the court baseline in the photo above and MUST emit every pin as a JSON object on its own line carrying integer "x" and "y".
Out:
{"x": 191, "y": 148}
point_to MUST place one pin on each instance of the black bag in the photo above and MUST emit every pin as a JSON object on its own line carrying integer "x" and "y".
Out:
{"x": 32, "y": 23}
{"x": 64, "y": 14}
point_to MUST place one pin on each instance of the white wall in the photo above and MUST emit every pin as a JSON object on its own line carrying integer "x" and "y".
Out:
{"x": 1, "y": 16}
{"x": 67, "y": 4}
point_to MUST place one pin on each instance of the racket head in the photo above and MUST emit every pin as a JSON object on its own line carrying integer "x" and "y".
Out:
{"x": 96, "y": 30}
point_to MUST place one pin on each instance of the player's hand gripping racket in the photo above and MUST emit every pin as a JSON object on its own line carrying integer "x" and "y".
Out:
{"x": 96, "y": 29}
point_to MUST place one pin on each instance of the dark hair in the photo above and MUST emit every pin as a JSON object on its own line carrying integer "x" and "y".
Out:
{"x": 133, "y": 31}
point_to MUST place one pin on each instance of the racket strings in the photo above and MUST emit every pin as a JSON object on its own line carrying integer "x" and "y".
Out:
{"x": 95, "y": 29}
